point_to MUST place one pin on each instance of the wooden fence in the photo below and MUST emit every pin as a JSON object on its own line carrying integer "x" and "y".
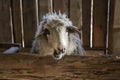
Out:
{"x": 35, "y": 67}
{"x": 20, "y": 18}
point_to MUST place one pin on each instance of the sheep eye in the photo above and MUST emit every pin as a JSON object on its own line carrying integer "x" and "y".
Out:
{"x": 46, "y": 31}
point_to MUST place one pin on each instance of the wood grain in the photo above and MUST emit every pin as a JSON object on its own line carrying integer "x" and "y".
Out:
{"x": 75, "y": 12}
{"x": 36, "y": 67}
{"x": 43, "y": 8}
{"x": 29, "y": 21}
{"x": 99, "y": 22}
{"x": 17, "y": 21}
{"x": 5, "y": 28}
{"x": 86, "y": 18}
{"x": 62, "y": 6}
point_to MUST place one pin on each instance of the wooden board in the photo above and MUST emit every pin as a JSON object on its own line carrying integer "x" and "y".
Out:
{"x": 5, "y": 28}
{"x": 16, "y": 7}
{"x": 29, "y": 21}
{"x": 62, "y": 6}
{"x": 86, "y": 12}
{"x": 116, "y": 41}
{"x": 76, "y": 12}
{"x": 35, "y": 67}
{"x": 111, "y": 25}
{"x": 116, "y": 14}
{"x": 99, "y": 22}
{"x": 43, "y": 8}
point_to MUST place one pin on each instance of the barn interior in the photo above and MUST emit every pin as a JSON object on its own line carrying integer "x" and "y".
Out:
{"x": 99, "y": 21}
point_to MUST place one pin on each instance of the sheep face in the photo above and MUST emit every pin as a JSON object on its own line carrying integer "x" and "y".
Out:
{"x": 57, "y": 37}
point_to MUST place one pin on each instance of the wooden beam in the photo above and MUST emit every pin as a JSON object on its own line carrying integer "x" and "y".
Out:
{"x": 8, "y": 45}
{"x": 29, "y": 67}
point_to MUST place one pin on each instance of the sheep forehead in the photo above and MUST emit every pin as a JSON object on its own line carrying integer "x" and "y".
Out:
{"x": 56, "y": 24}
{"x": 60, "y": 17}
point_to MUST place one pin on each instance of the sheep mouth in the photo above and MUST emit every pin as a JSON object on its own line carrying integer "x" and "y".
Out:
{"x": 58, "y": 56}
{"x": 59, "y": 53}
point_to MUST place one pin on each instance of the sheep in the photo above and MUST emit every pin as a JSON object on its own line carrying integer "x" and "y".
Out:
{"x": 57, "y": 36}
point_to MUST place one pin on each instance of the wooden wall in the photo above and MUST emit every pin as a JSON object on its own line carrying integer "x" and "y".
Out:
{"x": 5, "y": 30}
{"x": 116, "y": 28}
{"x": 19, "y": 20}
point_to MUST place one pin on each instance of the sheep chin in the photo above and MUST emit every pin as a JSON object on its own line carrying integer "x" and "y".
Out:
{"x": 58, "y": 57}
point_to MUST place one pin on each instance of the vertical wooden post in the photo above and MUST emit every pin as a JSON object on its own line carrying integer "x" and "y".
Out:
{"x": 111, "y": 23}
{"x": 50, "y": 5}
{"x": 100, "y": 23}
{"x": 86, "y": 18}
{"x": 5, "y": 28}
{"x": 29, "y": 21}
{"x": 17, "y": 21}
{"x": 43, "y": 8}
{"x": 61, "y": 5}
{"x": 37, "y": 12}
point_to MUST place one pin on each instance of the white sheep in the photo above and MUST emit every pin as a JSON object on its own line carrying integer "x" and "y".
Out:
{"x": 57, "y": 36}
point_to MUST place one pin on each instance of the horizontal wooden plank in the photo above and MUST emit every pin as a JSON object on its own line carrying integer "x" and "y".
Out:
{"x": 29, "y": 67}
{"x": 8, "y": 45}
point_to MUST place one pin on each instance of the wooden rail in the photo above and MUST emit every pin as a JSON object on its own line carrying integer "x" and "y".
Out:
{"x": 36, "y": 67}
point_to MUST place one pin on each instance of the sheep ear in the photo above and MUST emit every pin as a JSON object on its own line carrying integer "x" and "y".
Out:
{"x": 73, "y": 29}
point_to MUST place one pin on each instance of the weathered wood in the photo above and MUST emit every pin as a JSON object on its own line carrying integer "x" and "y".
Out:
{"x": 29, "y": 67}
{"x": 111, "y": 25}
{"x": 62, "y": 6}
{"x": 116, "y": 14}
{"x": 29, "y": 21}
{"x": 5, "y": 28}
{"x": 86, "y": 18}
{"x": 100, "y": 10}
{"x": 76, "y": 12}
{"x": 116, "y": 28}
{"x": 16, "y": 8}
{"x": 116, "y": 41}
{"x": 8, "y": 45}
{"x": 43, "y": 8}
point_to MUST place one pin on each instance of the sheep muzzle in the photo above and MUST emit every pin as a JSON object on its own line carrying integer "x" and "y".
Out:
{"x": 59, "y": 53}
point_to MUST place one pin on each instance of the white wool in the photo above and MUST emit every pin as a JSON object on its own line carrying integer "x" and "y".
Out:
{"x": 70, "y": 41}
{"x": 53, "y": 16}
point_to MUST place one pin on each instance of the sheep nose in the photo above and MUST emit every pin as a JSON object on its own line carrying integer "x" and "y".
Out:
{"x": 59, "y": 51}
